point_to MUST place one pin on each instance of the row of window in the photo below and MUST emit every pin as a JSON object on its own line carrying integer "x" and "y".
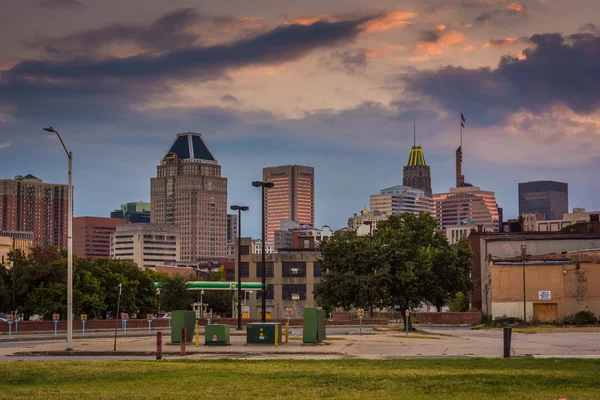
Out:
{"x": 288, "y": 292}
{"x": 288, "y": 270}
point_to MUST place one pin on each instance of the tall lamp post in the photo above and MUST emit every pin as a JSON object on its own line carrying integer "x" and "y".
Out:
{"x": 69, "y": 245}
{"x": 239, "y": 209}
{"x": 523, "y": 257}
{"x": 14, "y": 302}
{"x": 263, "y": 185}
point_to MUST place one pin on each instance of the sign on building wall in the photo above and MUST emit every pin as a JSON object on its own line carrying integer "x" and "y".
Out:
{"x": 545, "y": 295}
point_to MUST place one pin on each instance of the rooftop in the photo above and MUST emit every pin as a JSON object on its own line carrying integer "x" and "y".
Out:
{"x": 522, "y": 236}
{"x": 416, "y": 157}
{"x": 581, "y": 256}
{"x": 190, "y": 146}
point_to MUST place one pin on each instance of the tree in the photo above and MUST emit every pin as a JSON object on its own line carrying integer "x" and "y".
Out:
{"x": 406, "y": 265}
{"x": 174, "y": 294}
{"x": 352, "y": 273}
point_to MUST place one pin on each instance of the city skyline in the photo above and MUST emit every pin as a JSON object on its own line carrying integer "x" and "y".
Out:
{"x": 342, "y": 98}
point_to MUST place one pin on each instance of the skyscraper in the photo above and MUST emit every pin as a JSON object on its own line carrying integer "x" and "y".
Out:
{"x": 190, "y": 193}
{"x": 468, "y": 203}
{"x": 232, "y": 227}
{"x": 401, "y": 199}
{"x": 28, "y": 204}
{"x": 91, "y": 236}
{"x": 544, "y": 197}
{"x": 292, "y": 198}
{"x": 416, "y": 173}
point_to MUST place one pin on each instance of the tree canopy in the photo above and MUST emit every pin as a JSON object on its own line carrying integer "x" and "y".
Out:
{"x": 404, "y": 264}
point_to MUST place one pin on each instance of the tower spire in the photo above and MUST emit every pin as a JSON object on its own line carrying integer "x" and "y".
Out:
{"x": 414, "y": 132}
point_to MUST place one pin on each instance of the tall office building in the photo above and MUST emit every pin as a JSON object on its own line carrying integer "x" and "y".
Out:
{"x": 416, "y": 173}
{"x": 292, "y": 198}
{"x": 190, "y": 193}
{"x": 91, "y": 236}
{"x": 549, "y": 198}
{"x": 401, "y": 199}
{"x": 232, "y": 227}
{"x": 28, "y": 204}
{"x": 467, "y": 204}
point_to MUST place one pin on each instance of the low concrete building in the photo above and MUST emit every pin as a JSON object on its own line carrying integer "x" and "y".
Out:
{"x": 556, "y": 285}
{"x": 360, "y": 223}
{"x": 148, "y": 245}
{"x": 462, "y": 230}
{"x": 17, "y": 240}
{"x": 488, "y": 245}
{"x": 291, "y": 277}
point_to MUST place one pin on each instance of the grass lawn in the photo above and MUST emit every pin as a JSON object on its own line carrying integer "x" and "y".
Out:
{"x": 343, "y": 379}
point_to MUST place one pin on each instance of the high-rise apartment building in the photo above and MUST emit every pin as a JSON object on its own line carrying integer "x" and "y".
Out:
{"x": 134, "y": 212}
{"x": 292, "y": 198}
{"x": 549, "y": 198}
{"x": 91, "y": 236}
{"x": 401, "y": 199}
{"x": 190, "y": 193}
{"x": 468, "y": 203}
{"x": 148, "y": 245}
{"x": 30, "y": 205}
{"x": 232, "y": 227}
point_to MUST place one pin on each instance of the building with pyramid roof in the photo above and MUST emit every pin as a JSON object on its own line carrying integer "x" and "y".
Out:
{"x": 190, "y": 192}
{"x": 416, "y": 173}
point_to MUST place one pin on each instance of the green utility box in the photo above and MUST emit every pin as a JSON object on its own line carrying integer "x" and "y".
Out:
{"x": 263, "y": 333}
{"x": 183, "y": 319}
{"x": 216, "y": 335}
{"x": 313, "y": 330}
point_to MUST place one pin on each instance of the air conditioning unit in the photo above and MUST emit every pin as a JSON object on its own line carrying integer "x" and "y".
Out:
{"x": 295, "y": 271}
{"x": 295, "y": 296}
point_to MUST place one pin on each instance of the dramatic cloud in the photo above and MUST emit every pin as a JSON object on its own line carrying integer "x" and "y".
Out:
{"x": 429, "y": 36}
{"x": 228, "y": 98}
{"x": 506, "y": 42}
{"x": 352, "y": 62}
{"x": 60, "y": 4}
{"x": 285, "y": 43}
{"x": 165, "y": 34}
{"x": 444, "y": 40}
{"x": 499, "y": 16}
{"x": 397, "y": 19}
{"x": 555, "y": 70}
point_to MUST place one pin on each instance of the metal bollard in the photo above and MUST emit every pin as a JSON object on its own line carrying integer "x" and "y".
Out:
{"x": 183, "y": 342}
{"x": 159, "y": 345}
{"x": 507, "y": 339}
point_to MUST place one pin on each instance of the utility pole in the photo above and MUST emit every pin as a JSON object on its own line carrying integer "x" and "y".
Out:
{"x": 523, "y": 257}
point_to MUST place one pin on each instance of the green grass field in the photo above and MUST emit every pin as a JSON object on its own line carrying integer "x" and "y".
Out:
{"x": 345, "y": 379}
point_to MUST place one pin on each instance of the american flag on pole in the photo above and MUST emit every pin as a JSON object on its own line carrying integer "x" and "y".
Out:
{"x": 463, "y": 121}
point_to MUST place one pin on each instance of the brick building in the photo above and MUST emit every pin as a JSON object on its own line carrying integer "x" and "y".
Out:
{"x": 91, "y": 236}
{"x": 29, "y": 205}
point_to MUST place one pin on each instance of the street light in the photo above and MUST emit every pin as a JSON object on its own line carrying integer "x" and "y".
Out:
{"x": 523, "y": 256}
{"x": 239, "y": 209}
{"x": 14, "y": 303}
{"x": 69, "y": 245}
{"x": 263, "y": 185}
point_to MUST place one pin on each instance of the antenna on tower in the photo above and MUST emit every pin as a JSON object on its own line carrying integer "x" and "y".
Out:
{"x": 414, "y": 132}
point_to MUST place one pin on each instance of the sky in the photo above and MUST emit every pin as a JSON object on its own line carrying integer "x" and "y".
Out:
{"x": 332, "y": 84}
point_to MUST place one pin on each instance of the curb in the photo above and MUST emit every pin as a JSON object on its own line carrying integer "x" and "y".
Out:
{"x": 63, "y": 353}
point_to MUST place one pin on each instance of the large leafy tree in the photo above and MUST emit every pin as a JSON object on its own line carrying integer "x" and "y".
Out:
{"x": 405, "y": 265}
{"x": 353, "y": 273}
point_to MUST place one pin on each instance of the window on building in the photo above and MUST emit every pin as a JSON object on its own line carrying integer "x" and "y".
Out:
{"x": 270, "y": 293}
{"x": 317, "y": 270}
{"x": 244, "y": 250}
{"x": 244, "y": 270}
{"x": 293, "y": 269}
{"x": 293, "y": 292}
{"x": 229, "y": 274}
{"x": 270, "y": 270}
